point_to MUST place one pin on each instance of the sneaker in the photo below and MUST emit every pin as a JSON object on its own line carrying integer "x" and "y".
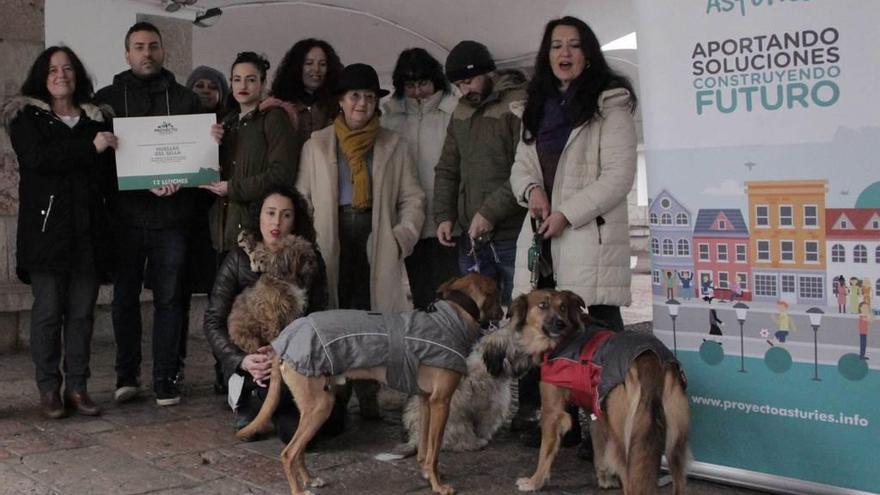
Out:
{"x": 167, "y": 393}
{"x": 126, "y": 390}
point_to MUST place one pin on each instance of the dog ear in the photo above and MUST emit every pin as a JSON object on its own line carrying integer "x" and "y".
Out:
{"x": 576, "y": 307}
{"x": 444, "y": 288}
{"x": 517, "y": 311}
{"x": 493, "y": 358}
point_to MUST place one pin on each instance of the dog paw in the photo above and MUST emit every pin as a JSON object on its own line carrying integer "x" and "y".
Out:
{"x": 316, "y": 482}
{"x": 607, "y": 479}
{"x": 526, "y": 485}
{"x": 444, "y": 490}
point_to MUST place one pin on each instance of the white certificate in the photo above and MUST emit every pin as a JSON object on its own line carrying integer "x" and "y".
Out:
{"x": 171, "y": 149}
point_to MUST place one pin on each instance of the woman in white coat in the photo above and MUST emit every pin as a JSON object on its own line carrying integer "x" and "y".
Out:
{"x": 419, "y": 110}
{"x": 362, "y": 185}
{"x": 573, "y": 169}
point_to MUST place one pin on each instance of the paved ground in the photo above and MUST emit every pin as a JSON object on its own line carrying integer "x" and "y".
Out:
{"x": 190, "y": 449}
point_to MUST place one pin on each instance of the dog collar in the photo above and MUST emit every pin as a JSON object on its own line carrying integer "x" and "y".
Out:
{"x": 466, "y": 303}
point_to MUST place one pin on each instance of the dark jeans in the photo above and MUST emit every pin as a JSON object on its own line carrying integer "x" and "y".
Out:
{"x": 62, "y": 315}
{"x": 495, "y": 259}
{"x": 354, "y": 267}
{"x": 429, "y": 265}
{"x": 165, "y": 250}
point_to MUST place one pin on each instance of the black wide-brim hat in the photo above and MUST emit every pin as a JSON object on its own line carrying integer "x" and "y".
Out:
{"x": 359, "y": 76}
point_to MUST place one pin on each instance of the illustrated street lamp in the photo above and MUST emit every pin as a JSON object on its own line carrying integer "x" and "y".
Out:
{"x": 815, "y": 315}
{"x": 672, "y": 305}
{"x": 742, "y": 310}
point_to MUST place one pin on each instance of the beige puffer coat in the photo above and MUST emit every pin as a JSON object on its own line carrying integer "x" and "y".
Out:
{"x": 595, "y": 173}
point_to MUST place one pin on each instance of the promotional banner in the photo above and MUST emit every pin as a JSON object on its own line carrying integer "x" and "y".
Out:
{"x": 762, "y": 131}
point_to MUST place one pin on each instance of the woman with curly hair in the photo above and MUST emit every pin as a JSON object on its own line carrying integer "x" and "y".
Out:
{"x": 304, "y": 85}
{"x": 279, "y": 211}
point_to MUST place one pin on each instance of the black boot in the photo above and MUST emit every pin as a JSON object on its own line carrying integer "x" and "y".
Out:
{"x": 367, "y": 392}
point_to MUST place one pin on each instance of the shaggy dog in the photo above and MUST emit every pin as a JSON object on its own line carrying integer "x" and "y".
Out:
{"x": 306, "y": 347}
{"x": 278, "y": 297}
{"x": 640, "y": 400}
{"x": 480, "y": 403}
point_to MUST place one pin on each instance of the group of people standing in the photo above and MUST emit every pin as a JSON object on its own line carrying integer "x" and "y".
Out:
{"x": 437, "y": 183}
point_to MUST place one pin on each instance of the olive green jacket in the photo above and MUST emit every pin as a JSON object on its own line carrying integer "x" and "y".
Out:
{"x": 258, "y": 151}
{"x": 473, "y": 173}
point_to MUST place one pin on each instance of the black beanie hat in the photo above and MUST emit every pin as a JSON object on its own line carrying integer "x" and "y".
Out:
{"x": 468, "y": 59}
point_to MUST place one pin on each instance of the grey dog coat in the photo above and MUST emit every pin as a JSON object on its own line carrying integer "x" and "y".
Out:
{"x": 328, "y": 343}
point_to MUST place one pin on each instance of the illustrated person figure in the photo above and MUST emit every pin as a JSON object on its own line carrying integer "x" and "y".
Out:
{"x": 670, "y": 285}
{"x": 784, "y": 321}
{"x": 866, "y": 317}
{"x": 715, "y": 323}
{"x": 855, "y": 294}
{"x": 151, "y": 227}
{"x": 369, "y": 208}
{"x": 687, "y": 291}
{"x": 279, "y": 212}
{"x": 866, "y": 287}
{"x": 420, "y": 110}
{"x": 304, "y": 86}
{"x": 841, "y": 291}
{"x": 65, "y": 167}
{"x": 471, "y": 181}
{"x": 706, "y": 289}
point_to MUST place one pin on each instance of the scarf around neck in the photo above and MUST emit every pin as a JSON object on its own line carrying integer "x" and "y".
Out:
{"x": 355, "y": 146}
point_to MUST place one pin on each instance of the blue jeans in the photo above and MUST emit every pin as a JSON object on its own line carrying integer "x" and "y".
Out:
{"x": 495, "y": 259}
{"x": 165, "y": 250}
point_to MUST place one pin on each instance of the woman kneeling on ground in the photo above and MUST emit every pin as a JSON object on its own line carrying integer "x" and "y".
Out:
{"x": 279, "y": 212}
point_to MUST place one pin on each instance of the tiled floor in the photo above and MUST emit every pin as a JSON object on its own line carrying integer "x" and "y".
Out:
{"x": 190, "y": 449}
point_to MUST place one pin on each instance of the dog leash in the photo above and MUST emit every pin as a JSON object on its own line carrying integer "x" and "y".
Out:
{"x": 537, "y": 263}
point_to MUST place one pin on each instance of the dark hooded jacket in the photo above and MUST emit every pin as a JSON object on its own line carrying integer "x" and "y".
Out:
{"x": 63, "y": 189}
{"x": 473, "y": 173}
{"x": 130, "y": 96}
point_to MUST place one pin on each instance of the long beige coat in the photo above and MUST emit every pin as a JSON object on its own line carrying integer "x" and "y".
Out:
{"x": 398, "y": 213}
{"x": 595, "y": 173}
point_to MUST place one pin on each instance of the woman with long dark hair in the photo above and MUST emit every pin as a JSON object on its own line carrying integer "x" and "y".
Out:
{"x": 278, "y": 212}
{"x": 304, "y": 86}
{"x": 573, "y": 169}
{"x": 66, "y": 176}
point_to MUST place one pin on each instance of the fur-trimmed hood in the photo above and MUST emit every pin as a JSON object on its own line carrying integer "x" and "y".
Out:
{"x": 14, "y": 106}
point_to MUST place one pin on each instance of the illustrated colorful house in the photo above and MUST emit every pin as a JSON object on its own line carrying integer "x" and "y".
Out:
{"x": 671, "y": 250}
{"x": 852, "y": 241}
{"x": 721, "y": 252}
{"x": 787, "y": 243}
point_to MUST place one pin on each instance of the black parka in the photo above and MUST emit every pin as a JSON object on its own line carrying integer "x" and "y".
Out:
{"x": 64, "y": 188}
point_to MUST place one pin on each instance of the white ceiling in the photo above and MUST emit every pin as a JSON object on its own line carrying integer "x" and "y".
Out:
{"x": 375, "y": 31}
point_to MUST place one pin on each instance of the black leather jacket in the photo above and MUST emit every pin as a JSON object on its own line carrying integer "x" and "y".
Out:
{"x": 234, "y": 276}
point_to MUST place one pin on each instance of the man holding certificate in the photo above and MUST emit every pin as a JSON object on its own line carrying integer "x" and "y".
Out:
{"x": 151, "y": 223}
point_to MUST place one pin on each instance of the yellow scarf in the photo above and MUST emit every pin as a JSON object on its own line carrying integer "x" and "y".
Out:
{"x": 355, "y": 146}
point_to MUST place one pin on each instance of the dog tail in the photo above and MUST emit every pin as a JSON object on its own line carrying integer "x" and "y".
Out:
{"x": 676, "y": 414}
{"x": 263, "y": 422}
{"x": 645, "y": 427}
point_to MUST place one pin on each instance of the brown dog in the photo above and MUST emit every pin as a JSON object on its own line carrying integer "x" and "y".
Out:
{"x": 643, "y": 415}
{"x": 307, "y": 362}
{"x": 278, "y": 297}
